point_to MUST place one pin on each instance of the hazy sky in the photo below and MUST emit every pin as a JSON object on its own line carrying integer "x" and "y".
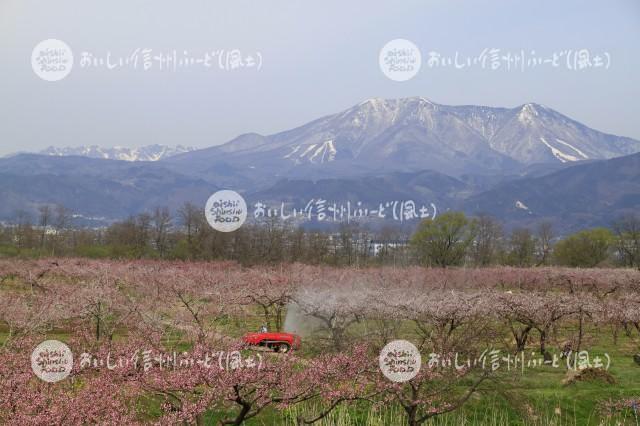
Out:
{"x": 318, "y": 58}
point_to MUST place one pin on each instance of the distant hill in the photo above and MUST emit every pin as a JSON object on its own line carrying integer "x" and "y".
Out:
{"x": 581, "y": 196}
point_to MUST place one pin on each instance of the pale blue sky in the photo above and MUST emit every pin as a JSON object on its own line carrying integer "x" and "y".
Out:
{"x": 319, "y": 58}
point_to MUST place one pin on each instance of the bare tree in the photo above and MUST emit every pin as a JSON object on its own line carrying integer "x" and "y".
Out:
{"x": 627, "y": 231}
{"x": 161, "y": 224}
{"x": 521, "y": 247}
{"x": 487, "y": 242}
{"x": 44, "y": 222}
{"x": 61, "y": 220}
{"x": 143, "y": 231}
{"x": 189, "y": 215}
{"x": 24, "y": 234}
{"x": 62, "y": 217}
{"x": 544, "y": 242}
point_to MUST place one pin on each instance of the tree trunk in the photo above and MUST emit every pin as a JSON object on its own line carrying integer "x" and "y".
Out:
{"x": 580, "y": 330}
{"x": 543, "y": 344}
{"x": 521, "y": 338}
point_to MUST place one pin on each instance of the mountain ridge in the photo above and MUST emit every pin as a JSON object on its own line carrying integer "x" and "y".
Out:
{"x": 154, "y": 152}
{"x": 411, "y": 134}
{"x": 473, "y": 158}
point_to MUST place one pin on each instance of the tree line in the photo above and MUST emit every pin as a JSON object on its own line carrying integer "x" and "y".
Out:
{"x": 451, "y": 239}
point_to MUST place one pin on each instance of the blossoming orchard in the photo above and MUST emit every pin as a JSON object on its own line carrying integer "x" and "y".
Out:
{"x": 162, "y": 342}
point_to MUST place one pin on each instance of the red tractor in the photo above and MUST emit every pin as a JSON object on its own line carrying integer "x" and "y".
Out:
{"x": 278, "y": 342}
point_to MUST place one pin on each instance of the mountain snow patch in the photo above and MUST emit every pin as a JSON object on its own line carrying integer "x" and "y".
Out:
{"x": 527, "y": 114}
{"x": 582, "y": 154}
{"x": 559, "y": 154}
{"x": 314, "y": 153}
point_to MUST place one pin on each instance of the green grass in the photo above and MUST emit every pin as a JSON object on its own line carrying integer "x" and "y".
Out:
{"x": 534, "y": 397}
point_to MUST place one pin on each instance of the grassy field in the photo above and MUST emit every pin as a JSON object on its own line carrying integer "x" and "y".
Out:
{"x": 535, "y": 396}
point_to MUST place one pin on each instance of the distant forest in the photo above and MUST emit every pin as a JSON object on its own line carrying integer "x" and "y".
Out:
{"x": 451, "y": 239}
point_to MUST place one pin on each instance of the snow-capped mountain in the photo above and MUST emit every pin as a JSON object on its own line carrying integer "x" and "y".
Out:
{"x": 520, "y": 164}
{"x": 145, "y": 153}
{"x": 533, "y": 133}
{"x": 411, "y": 134}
